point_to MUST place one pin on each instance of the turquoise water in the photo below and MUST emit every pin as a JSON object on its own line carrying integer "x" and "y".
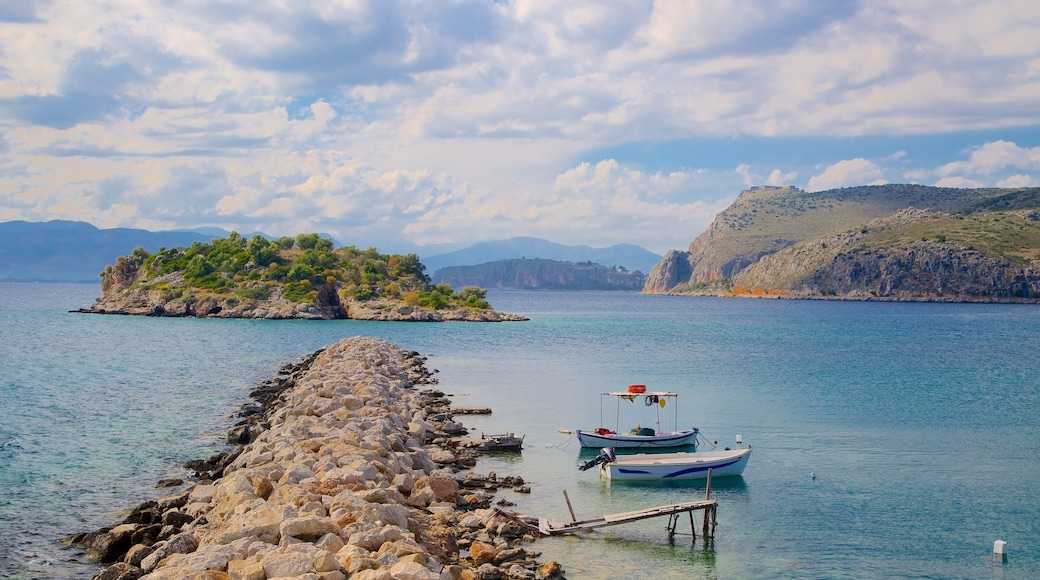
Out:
{"x": 919, "y": 421}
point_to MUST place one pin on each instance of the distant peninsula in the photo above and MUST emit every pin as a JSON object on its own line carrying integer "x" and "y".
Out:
{"x": 882, "y": 242}
{"x": 304, "y": 277}
{"x": 542, "y": 274}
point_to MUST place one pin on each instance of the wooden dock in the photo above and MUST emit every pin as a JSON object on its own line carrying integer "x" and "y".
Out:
{"x": 471, "y": 410}
{"x": 673, "y": 511}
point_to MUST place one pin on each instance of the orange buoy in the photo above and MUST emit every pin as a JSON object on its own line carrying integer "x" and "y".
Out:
{"x": 637, "y": 388}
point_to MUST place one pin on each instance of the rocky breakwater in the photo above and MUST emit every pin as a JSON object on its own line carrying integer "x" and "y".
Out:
{"x": 344, "y": 469}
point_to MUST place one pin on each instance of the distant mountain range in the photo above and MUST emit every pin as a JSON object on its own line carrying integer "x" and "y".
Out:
{"x": 631, "y": 257}
{"x": 68, "y": 251}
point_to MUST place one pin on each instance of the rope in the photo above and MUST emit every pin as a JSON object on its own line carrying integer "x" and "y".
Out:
{"x": 562, "y": 445}
{"x": 700, "y": 436}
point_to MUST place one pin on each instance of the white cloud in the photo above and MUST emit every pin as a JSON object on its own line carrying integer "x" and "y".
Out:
{"x": 958, "y": 182}
{"x": 993, "y": 157}
{"x": 845, "y": 173}
{"x": 1017, "y": 180}
{"x": 777, "y": 177}
{"x": 744, "y": 171}
{"x": 468, "y": 120}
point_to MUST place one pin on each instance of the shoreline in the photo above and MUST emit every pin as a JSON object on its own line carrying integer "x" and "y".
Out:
{"x": 342, "y": 467}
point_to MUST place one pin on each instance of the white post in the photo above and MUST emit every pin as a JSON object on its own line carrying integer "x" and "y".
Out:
{"x": 1000, "y": 548}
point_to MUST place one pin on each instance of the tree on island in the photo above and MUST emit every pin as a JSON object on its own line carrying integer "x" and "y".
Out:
{"x": 301, "y": 267}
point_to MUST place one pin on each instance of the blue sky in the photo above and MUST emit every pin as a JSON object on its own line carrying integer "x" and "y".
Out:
{"x": 408, "y": 123}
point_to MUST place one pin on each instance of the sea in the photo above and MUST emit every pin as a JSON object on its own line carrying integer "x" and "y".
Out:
{"x": 890, "y": 440}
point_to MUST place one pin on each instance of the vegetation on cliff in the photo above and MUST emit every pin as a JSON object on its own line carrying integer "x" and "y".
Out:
{"x": 541, "y": 274}
{"x": 230, "y": 272}
{"x": 905, "y": 242}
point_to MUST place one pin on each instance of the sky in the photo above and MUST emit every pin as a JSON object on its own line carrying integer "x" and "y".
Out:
{"x": 409, "y": 124}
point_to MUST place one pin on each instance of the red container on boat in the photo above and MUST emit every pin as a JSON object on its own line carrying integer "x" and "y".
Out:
{"x": 637, "y": 388}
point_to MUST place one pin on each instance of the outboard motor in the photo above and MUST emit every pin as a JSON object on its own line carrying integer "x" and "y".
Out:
{"x": 606, "y": 455}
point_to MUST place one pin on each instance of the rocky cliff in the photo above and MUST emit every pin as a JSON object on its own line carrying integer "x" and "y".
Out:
{"x": 541, "y": 274}
{"x": 983, "y": 246}
{"x": 854, "y": 266}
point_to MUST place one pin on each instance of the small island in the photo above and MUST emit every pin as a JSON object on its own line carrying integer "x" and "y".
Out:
{"x": 305, "y": 277}
{"x": 543, "y": 274}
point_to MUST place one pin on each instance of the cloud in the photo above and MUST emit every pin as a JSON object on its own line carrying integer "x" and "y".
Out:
{"x": 603, "y": 198}
{"x": 993, "y": 157}
{"x": 777, "y": 177}
{"x": 22, "y": 11}
{"x": 845, "y": 173}
{"x": 453, "y": 121}
{"x": 958, "y": 182}
{"x": 1017, "y": 180}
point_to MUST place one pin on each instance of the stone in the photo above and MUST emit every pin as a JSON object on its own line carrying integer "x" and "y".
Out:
{"x": 442, "y": 456}
{"x": 183, "y": 543}
{"x": 482, "y": 553}
{"x": 487, "y": 572}
{"x": 508, "y": 555}
{"x": 263, "y": 523}
{"x": 246, "y": 570}
{"x": 176, "y": 518}
{"x": 111, "y": 546}
{"x": 368, "y": 539}
{"x": 412, "y": 571}
{"x": 550, "y": 570}
{"x": 519, "y": 572}
{"x": 120, "y": 571}
{"x": 137, "y": 553}
{"x": 444, "y": 488}
{"x": 308, "y": 528}
{"x": 167, "y": 503}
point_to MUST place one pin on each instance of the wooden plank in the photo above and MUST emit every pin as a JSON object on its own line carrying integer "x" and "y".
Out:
{"x": 555, "y": 527}
{"x": 470, "y": 411}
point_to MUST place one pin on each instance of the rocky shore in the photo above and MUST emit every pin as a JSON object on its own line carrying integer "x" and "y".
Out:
{"x": 138, "y": 302}
{"x": 343, "y": 467}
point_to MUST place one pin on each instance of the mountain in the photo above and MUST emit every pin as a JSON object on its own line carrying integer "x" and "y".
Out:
{"x": 68, "y": 251}
{"x": 630, "y": 256}
{"x": 540, "y": 274}
{"x": 891, "y": 242}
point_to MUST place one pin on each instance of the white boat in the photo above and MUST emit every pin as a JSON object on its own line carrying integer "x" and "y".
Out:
{"x": 669, "y": 466}
{"x": 639, "y": 436}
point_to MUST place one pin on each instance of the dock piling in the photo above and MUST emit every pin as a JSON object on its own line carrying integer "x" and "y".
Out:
{"x": 569, "y": 508}
{"x": 707, "y": 496}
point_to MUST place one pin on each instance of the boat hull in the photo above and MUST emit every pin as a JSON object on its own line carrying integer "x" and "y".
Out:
{"x": 616, "y": 440}
{"x": 676, "y": 466}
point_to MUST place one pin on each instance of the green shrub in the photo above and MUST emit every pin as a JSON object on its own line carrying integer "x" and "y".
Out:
{"x": 261, "y": 293}
{"x": 299, "y": 291}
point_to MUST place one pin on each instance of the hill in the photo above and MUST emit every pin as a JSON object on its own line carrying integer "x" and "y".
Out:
{"x": 67, "y": 251}
{"x": 629, "y": 256}
{"x": 540, "y": 274}
{"x": 303, "y": 277}
{"x": 896, "y": 242}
